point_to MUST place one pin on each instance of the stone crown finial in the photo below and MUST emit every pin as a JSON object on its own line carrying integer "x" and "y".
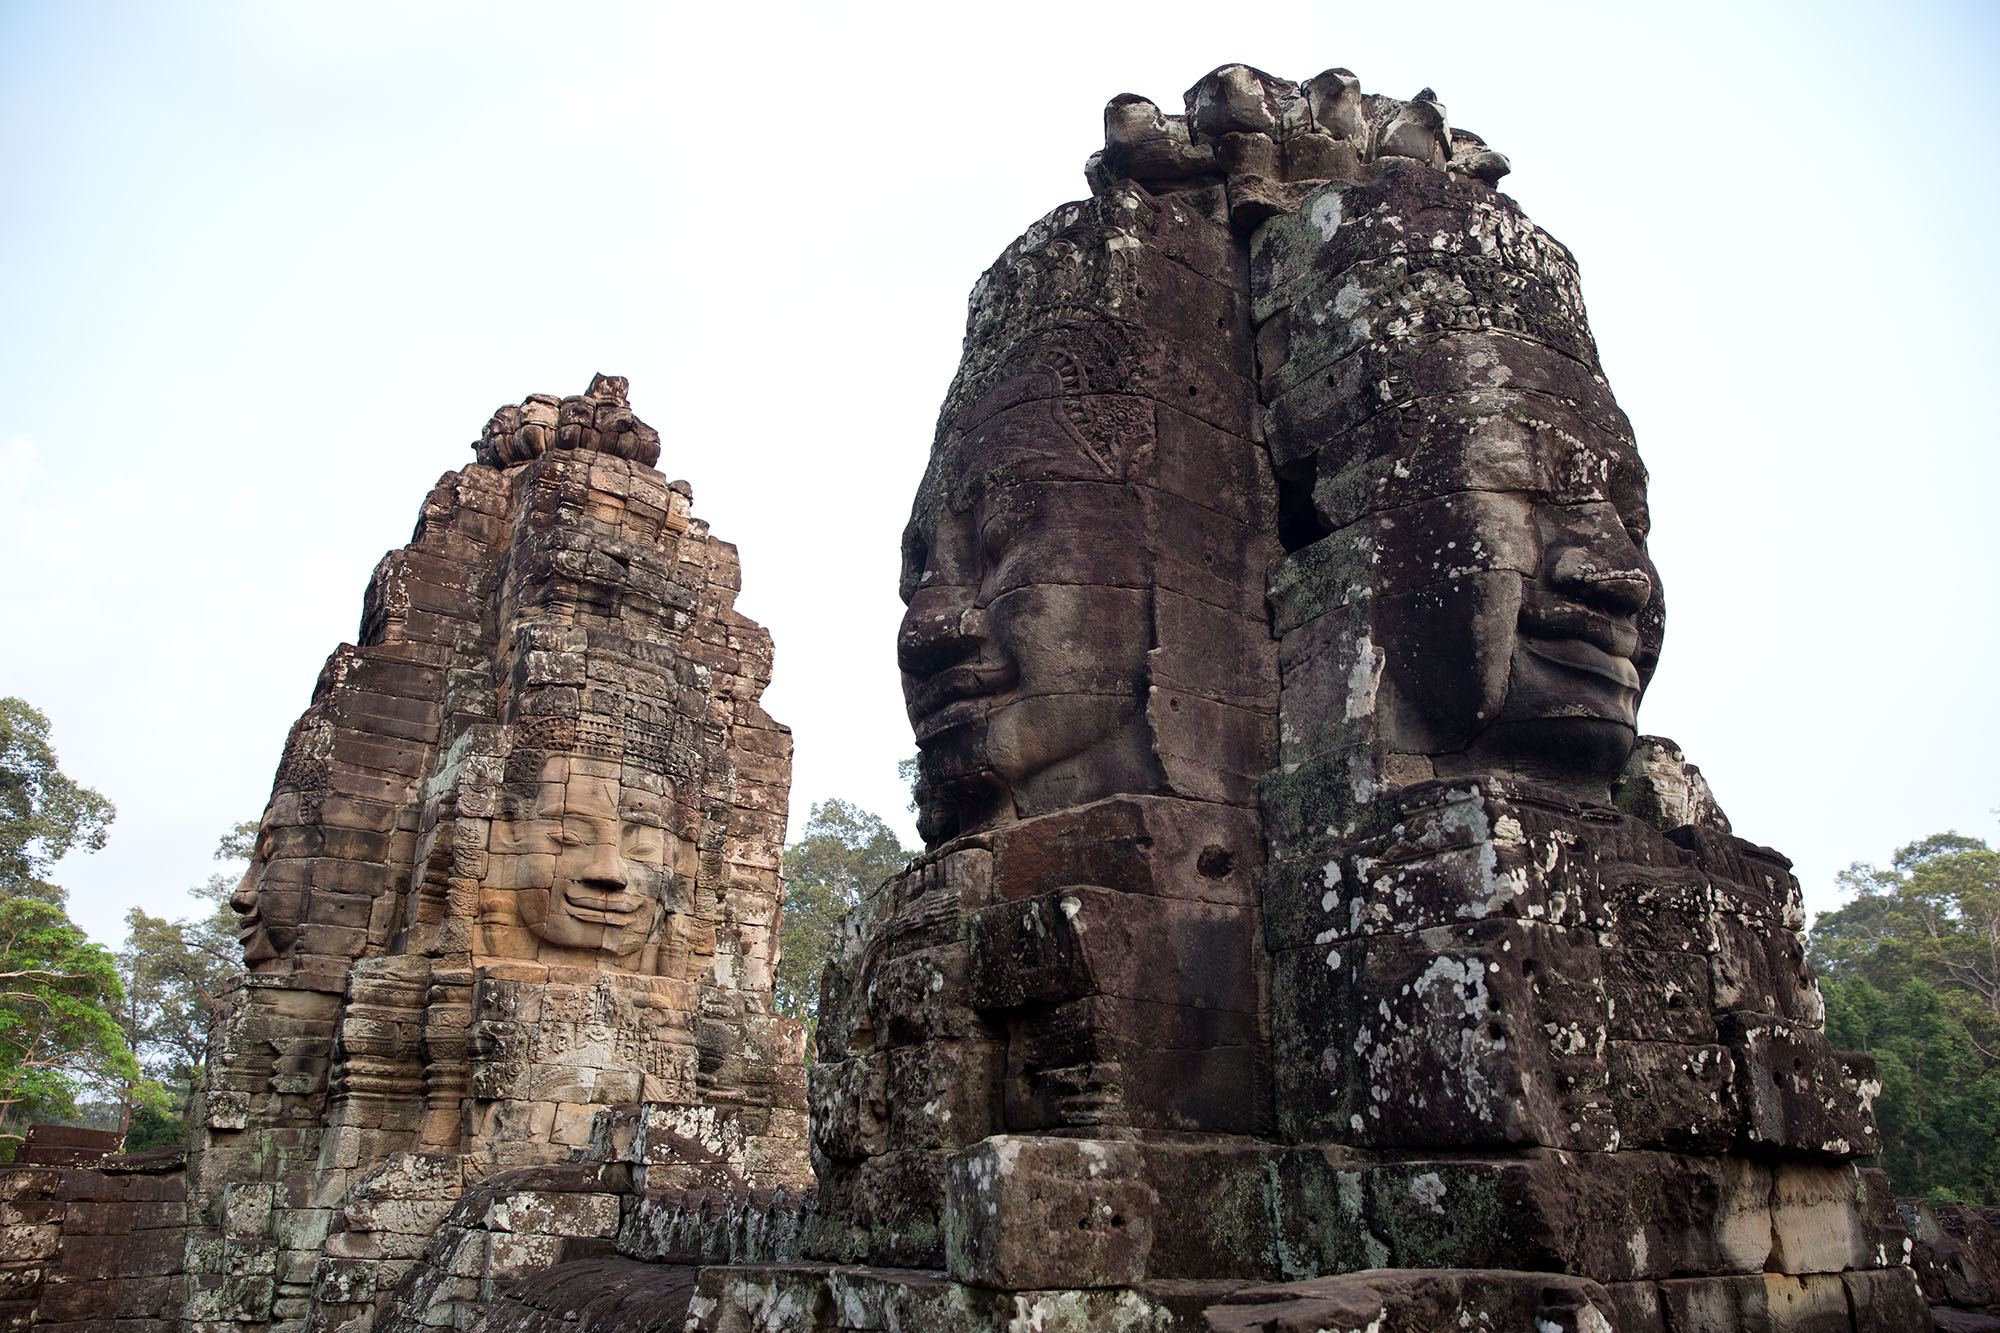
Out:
{"x": 1269, "y": 139}
{"x": 599, "y": 420}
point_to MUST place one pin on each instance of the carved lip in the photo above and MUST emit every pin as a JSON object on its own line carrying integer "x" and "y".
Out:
{"x": 1554, "y": 619}
{"x": 955, "y": 696}
{"x": 603, "y": 909}
{"x": 1583, "y": 655}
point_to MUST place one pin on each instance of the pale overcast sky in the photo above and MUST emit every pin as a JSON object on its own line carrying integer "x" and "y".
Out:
{"x": 267, "y": 269}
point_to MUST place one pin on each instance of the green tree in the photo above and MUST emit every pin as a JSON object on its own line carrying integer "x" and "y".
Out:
{"x": 1932, "y": 916}
{"x": 236, "y": 845}
{"x": 43, "y": 812}
{"x": 58, "y": 1032}
{"x": 173, "y": 971}
{"x": 59, "y": 993}
{"x": 846, "y": 851}
{"x": 1939, "y": 1109}
{"x": 1910, "y": 968}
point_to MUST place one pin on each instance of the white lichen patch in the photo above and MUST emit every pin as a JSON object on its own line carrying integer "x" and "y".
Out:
{"x": 1364, "y": 678}
{"x": 1324, "y": 214}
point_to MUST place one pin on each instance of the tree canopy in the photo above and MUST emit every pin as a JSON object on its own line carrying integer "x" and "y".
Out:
{"x": 1910, "y": 967}
{"x": 43, "y": 812}
{"x": 59, "y": 993}
{"x": 173, "y": 971}
{"x": 846, "y": 851}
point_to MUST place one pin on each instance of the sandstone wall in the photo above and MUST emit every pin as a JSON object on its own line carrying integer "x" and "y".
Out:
{"x": 97, "y": 1245}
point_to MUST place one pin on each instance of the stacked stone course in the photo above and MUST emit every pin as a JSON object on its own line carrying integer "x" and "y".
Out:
{"x": 78, "y": 1225}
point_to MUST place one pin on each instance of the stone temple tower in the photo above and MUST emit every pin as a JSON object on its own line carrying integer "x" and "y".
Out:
{"x": 519, "y": 865}
{"x": 1307, "y": 937}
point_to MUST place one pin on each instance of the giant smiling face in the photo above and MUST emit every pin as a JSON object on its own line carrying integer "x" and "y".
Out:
{"x": 1518, "y": 613}
{"x": 1023, "y": 650}
{"x": 588, "y": 871}
{"x": 270, "y": 908}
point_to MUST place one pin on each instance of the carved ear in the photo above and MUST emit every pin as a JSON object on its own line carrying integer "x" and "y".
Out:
{"x": 515, "y": 803}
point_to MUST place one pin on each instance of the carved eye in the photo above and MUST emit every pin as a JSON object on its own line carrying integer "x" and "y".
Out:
{"x": 643, "y": 842}
{"x": 1000, "y": 533}
{"x": 916, "y": 559}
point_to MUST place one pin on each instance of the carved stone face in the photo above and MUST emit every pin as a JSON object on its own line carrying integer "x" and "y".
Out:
{"x": 270, "y": 926}
{"x": 1531, "y": 655}
{"x": 1024, "y": 647}
{"x": 587, "y": 871}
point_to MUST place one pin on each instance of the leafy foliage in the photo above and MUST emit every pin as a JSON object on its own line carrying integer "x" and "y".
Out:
{"x": 58, "y": 991}
{"x": 58, "y": 996}
{"x": 846, "y": 851}
{"x": 1910, "y": 967}
{"x": 154, "y": 1127}
{"x": 1939, "y": 1110}
{"x": 173, "y": 972}
{"x": 236, "y": 845}
{"x": 43, "y": 812}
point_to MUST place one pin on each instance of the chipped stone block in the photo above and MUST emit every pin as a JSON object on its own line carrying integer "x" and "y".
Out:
{"x": 554, "y": 1214}
{"x": 227, "y": 1110}
{"x": 1816, "y": 1221}
{"x": 1084, "y": 941}
{"x": 1488, "y": 1034}
{"x": 28, "y": 1244}
{"x": 1674, "y": 1096}
{"x": 1784, "y": 1304}
{"x": 1796, "y": 1092}
{"x": 1024, "y": 1212}
{"x": 1414, "y": 1300}
{"x": 513, "y": 1254}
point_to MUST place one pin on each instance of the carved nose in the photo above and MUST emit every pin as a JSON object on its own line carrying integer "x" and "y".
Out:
{"x": 1615, "y": 586}
{"x": 244, "y": 900}
{"x": 940, "y": 629}
{"x": 1602, "y": 568}
{"x": 602, "y": 865}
